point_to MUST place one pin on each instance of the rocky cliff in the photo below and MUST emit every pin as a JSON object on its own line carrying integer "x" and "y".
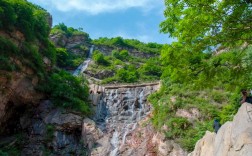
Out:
{"x": 233, "y": 138}
{"x": 17, "y": 87}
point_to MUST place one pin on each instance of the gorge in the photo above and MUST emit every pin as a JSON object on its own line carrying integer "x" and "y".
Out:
{"x": 64, "y": 93}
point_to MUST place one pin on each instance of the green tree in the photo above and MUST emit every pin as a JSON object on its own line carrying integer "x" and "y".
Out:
{"x": 202, "y": 25}
{"x": 152, "y": 67}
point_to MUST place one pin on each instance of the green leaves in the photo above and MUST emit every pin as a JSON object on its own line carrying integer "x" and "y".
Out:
{"x": 67, "y": 91}
{"x": 203, "y": 24}
{"x": 119, "y": 42}
{"x": 99, "y": 58}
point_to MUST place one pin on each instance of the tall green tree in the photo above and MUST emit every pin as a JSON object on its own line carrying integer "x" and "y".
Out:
{"x": 203, "y": 24}
{"x": 201, "y": 27}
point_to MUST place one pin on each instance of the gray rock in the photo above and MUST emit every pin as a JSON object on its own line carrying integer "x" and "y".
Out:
{"x": 63, "y": 121}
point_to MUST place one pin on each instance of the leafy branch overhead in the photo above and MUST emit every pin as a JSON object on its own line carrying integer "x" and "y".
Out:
{"x": 201, "y": 28}
{"x": 201, "y": 25}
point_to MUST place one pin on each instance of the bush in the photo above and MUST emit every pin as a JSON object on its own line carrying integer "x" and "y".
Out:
{"x": 177, "y": 127}
{"x": 32, "y": 22}
{"x": 122, "y": 55}
{"x": 99, "y": 58}
{"x": 61, "y": 28}
{"x": 128, "y": 74}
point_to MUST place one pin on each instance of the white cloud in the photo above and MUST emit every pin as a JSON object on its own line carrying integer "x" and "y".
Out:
{"x": 99, "y": 6}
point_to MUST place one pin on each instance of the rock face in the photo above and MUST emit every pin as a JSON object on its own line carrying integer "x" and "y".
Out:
{"x": 52, "y": 130}
{"x": 17, "y": 88}
{"x": 233, "y": 138}
{"x": 77, "y": 44}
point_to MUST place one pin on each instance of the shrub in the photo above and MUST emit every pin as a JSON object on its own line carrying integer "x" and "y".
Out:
{"x": 99, "y": 58}
{"x": 128, "y": 75}
{"x": 67, "y": 91}
{"x": 122, "y": 55}
{"x": 49, "y": 132}
{"x": 177, "y": 127}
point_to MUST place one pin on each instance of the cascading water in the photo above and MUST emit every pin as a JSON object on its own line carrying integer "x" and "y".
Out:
{"x": 124, "y": 108}
{"x": 84, "y": 65}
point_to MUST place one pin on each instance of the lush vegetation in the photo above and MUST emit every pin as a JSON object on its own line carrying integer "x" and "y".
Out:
{"x": 67, "y": 91}
{"x": 31, "y": 21}
{"x": 126, "y": 68}
{"x": 205, "y": 68}
{"x": 61, "y": 28}
{"x": 19, "y": 16}
{"x": 99, "y": 58}
{"x": 129, "y": 43}
{"x": 66, "y": 59}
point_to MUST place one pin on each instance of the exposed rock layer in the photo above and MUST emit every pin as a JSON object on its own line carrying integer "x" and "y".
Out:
{"x": 233, "y": 138}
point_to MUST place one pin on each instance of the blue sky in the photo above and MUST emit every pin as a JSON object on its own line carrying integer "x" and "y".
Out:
{"x": 138, "y": 19}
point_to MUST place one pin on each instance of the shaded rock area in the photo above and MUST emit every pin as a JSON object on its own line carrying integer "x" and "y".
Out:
{"x": 233, "y": 138}
{"x": 47, "y": 130}
{"x": 17, "y": 91}
{"x": 52, "y": 130}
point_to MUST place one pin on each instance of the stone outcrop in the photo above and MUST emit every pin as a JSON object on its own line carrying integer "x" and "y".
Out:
{"x": 102, "y": 74}
{"x": 90, "y": 133}
{"x": 77, "y": 44}
{"x": 233, "y": 138}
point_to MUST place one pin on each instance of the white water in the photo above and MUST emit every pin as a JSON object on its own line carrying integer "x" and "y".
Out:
{"x": 115, "y": 143}
{"x": 84, "y": 65}
{"x": 125, "y": 107}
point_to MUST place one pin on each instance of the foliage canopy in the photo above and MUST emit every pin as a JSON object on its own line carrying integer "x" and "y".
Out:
{"x": 202, "y": 25}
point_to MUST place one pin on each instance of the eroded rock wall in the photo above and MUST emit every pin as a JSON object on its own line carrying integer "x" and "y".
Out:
{"x": 17, "y": 88}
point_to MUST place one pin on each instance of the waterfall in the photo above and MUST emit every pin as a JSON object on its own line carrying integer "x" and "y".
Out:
{"x": 91, "y": 51}
{"x": 124, "y": 108}
{"x": 82, "y": 67}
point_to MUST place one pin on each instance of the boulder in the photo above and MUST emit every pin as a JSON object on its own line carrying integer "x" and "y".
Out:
{"x": 63, "y": 121}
